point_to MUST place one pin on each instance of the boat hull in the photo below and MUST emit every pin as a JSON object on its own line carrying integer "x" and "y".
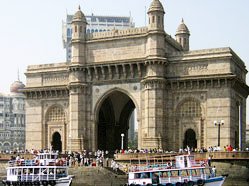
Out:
{"x": 59, "y": 182}
{"x": 215, "y": 181}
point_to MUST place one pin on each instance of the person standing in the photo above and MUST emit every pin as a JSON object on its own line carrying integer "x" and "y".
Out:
{"x": 209, "y": 160}
{"x": 213, "y": 171}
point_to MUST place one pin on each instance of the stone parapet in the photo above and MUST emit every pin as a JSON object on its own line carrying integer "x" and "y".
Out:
{"x": 117, "y": 33}
{"x": 244, "y": 155}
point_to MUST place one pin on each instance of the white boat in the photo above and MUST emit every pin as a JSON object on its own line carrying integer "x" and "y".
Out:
{"x": 184, "y": 171}
{"x": 45, "y": 169}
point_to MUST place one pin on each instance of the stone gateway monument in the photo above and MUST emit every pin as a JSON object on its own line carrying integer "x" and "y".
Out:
{"x": 178, "y": 94}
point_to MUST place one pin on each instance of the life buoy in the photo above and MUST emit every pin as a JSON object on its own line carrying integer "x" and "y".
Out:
{"x": 52, "y": 182}
{"x": 44, "y": 183}
{"x": 191, "y": 183}
{"x": 184, "y": 184}
{"x": 178, "y": 184}
{"x": 169, "y": 184}
{"x": 36, "y": 183}
{"x": 200, "y": 182}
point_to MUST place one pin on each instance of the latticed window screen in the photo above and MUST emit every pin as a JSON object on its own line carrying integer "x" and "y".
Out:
{"x": 190, "y": 109}
{"x": 56, "y": 114}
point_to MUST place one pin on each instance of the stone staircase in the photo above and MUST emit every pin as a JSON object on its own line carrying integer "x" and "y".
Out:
{"x": 238, "y": 172}
{"x": 96, "y": 176}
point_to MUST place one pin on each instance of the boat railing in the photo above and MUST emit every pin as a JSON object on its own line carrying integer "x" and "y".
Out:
{"x": 38, "y": 177}
{"x": 149, "y": 167}
{"x": 14, "y": 163}
{"x": 174, "y": 179}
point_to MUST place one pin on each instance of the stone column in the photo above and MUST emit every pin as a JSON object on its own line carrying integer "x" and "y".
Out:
{"x": 153, "y": 111}
{"x": 77, "y": 117}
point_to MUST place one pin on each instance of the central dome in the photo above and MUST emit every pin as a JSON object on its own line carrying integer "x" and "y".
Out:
{"x": 16, "y": 86}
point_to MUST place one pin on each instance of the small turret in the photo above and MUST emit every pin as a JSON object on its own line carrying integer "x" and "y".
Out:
{"x": 156, "y": 16}
{"x": 78, "y": 37}
{"x": 182, "y": 36}
{"x": 79, "y": 25}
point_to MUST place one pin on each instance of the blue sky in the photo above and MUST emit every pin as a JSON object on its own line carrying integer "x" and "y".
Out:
{"x": 31, "y": 30}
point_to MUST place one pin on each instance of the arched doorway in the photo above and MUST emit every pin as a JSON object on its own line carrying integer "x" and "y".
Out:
{"x": 113, "y": 120}
{"x": 56, "y": 142}
{"x": 190, "y": 139}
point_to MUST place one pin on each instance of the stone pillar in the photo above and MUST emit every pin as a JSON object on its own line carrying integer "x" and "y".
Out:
{"x": 153, "y": 110}
{"x": 77, "y": 117}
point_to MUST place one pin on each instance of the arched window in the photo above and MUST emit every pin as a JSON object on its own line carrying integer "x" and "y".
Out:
{"x": 56, "y": 114}
{"x": 153, "y": 19}
{"x": 190, "y": 108}
{"x": 75, "y": 28}
{"x": 80, "y": 29}
{"x": 184, "y": 42}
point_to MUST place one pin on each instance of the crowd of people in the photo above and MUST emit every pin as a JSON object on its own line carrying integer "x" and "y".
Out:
{"x": 227, "y": 148}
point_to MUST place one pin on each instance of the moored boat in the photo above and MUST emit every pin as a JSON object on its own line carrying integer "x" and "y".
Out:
{"x": 45, "y": 169}
{"x": 184, "y": 171}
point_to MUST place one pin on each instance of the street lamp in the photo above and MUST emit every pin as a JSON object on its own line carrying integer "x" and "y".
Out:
{"x": 219, "y": 123}
{"x": 122, "y": 141}
{"x": 70, "y": 144}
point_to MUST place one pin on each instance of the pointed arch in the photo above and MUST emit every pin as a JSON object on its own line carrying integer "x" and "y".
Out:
{"x": 112, "y": 112}
{"x": 106, "y": 94}
{"x": 56, "y": 141}
{"x": 55, "y": 113}
{"x": 189, "y": 107}
{"x": 190, "y": 139}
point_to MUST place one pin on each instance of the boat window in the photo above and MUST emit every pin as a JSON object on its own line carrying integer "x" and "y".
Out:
{"x": 199, "y": 171}
{"x": 169, "y": 173}
{"x": 137, "y": 175}
{"x": 194, "y": 172}
{"x": 25, "y": 171}
{"x": 145, "y": 175}
{"x": 12, "y": 172}
{"x": 184, "y": 173}
{"x": 44, "y": 171}
{"x": 164, "y": 174}
{"x": 36, "y": 171}
{"x": 174, "y": 173}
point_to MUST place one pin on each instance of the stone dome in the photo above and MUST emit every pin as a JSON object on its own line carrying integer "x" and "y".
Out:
{"x": 156, "y": 5}
{"x": 79, "y": 16}
{"x": 182, "y": 29}
{"x": 16, "y": 86}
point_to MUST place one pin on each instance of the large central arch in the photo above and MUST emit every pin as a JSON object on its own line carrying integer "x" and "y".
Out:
{"x": 113, "y": 116}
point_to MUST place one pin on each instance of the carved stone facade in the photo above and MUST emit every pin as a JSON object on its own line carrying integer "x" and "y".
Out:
{"x": 177, "y": 93}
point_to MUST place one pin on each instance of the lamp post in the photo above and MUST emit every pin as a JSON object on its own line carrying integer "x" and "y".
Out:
{"x": 219, "y": 123}
{"x": 70, "y": 144}
{"x": 122, "y": 141}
